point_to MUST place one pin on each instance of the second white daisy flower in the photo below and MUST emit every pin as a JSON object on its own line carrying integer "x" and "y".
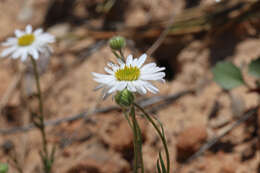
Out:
{"x": 27, "y": 43}
{"x": 132, "y": 75}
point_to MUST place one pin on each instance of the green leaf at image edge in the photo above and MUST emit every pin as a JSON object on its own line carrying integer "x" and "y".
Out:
{"x": 227, "y": 75}
{"x": 254, "y": 68}
{"x": 3, "y": 168}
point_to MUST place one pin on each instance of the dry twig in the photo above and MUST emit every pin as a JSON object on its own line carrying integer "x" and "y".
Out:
{"x": 213, "y": 141}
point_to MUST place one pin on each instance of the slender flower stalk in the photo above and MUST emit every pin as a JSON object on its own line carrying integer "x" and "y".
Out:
{"x": 138, "y": 155}
{"x": 40, "y": 122}
{"x": 161, "y": 134}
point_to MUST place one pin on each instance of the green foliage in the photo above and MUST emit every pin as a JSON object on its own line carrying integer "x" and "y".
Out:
{"x": 160, "y": 165}
{"x": 254, "y": 68}
{"x": 3, "y": 168}
{"x": 227, "y": 75}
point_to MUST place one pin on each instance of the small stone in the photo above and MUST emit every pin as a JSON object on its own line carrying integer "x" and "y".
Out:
{"x": 89, "y": 166}
{"x": 98, "y": 165}
{"x": 66, "y": 153}
{"x": 7, "y": 146}
{"x": 190, "y": 140}
{"x": 59, "y": 30}
{"x": 228, "y": 167}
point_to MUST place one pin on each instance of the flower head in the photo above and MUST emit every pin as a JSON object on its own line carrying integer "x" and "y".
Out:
{"x": 27, "y": 43}
{"x": 131, "y": 75}
{"x": 117, "y": 43}
{"x": 124, "y": 98}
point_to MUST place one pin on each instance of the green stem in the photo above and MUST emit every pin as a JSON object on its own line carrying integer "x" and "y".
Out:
{"x": 118, "y": 56}
{"x": 41, "y": 115}
{"x": 140, "y": 142}
{"x": 122, "y": 55}
{"x": 127, "y": 118}
{"x": 159, "y": 133}
{"x": 132, "y": 113}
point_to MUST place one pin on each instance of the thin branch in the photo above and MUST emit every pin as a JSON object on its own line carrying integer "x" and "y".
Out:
{"x": 162, "y": 36}
{"x": 86, "y": 114}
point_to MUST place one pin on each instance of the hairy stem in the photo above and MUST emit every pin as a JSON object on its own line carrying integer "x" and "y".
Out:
{"x": 138, "y": 154}
{"x": 132, "y": 113}
{"x": 41, "y": 125}
{"x": 140, "y": 142}
{"x": 159, "y": 133}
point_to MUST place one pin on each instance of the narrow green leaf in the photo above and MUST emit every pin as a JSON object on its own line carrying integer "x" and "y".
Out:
{"x": 158, "y": 167}
{"x": 3, "y": 168}
{"x": 162, "y": 163}
{"x": 254, "y": 68}
{"x": 227, "y": 75}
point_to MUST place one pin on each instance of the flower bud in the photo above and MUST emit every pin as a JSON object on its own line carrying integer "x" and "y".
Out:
{"x": 124, "y": 98}
{"x": 117, "y": 43}
{"x": 3, "y": 168}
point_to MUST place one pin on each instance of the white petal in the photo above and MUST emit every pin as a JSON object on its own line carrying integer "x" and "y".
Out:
{"x": 113, "y": 89}
{"x": 134, "y": 63}
{"x": 131, "y": 87}
{"x": 47, "y": 38}
{"x": 153, "y": 76}
{"x": 113, "y": 66}
{"x": 152, "y": 69}
{"x": 24, "y": 56}
{"x": 105, "y": 93}
{"x": 120, "y": 62}
{"x": 121, "y": 86}
{"x": 18, "y": 33}
{"x": 99, "y": 87}
{"x": 109, "y": 71}
{"x": 9, "y": 42}
{"x": 107, "y": 82}
{"x": 16, "y": 54}
{"x": 141, "y": 60}
{"x": 8, "y": 51}
{"x": 151, "y": 88}
{"x": 98, "y": 75}
{"x": 129, "y": 60}
{"x": 28, "y": 29}
{"x": 140, "y": 88}
{"x": 161, "y": 80}
{"x": 34, "y": 53}
{"x": 38, "y": 31}
{"x": 148, "y": 66}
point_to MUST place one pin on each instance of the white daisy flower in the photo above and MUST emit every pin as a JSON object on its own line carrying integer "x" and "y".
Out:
{"x": 132, "y": 75}
{"x": 27, "y": 43}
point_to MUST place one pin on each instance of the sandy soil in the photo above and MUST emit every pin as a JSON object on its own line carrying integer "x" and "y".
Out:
{"x": 102, "y": 143}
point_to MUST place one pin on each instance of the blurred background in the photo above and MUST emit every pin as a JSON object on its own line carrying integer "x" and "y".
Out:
{"x": 188, "y": 37}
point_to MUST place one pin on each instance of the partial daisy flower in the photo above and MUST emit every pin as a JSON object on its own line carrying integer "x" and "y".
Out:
{"x": 28, "y": 43}
{"x": 132, "y": 75}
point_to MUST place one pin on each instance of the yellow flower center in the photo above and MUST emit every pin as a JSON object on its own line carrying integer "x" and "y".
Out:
{"x": 26, "y": 40}
{"x": 127, "y": 74}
